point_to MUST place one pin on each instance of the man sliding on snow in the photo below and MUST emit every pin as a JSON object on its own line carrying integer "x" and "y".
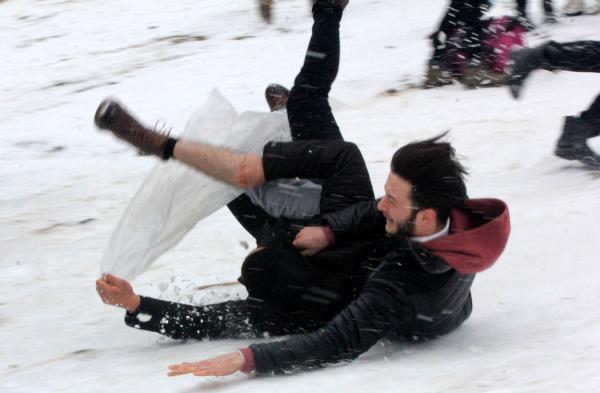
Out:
{"x": 426, "y": 242}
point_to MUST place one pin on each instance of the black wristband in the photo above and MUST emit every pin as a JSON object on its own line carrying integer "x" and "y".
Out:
{"x": 169, "y": 148}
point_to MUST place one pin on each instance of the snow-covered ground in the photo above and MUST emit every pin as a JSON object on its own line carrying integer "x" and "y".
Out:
{"x": 63, "y": 186}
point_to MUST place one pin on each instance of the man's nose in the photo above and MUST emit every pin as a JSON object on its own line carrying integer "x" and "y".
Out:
{"x": 380, "y": 205}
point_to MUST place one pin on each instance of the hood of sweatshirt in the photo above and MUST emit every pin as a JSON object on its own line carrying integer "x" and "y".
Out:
{"x": 478, "y": 235}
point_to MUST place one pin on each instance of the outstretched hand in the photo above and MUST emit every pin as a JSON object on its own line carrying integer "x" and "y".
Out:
{"x": 311, "y": 240}
{"x": 117, "y": 292}
{"x": 217, "y": 367}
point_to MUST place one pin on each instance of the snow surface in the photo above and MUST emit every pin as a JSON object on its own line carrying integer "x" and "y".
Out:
{"x": 63, "y": 186}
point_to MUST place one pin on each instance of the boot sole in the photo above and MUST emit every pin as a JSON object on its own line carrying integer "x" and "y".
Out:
{"x": 105, "y": 111}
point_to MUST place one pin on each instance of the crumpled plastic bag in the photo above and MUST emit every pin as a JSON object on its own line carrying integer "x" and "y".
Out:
{"x": 174, "y": 197}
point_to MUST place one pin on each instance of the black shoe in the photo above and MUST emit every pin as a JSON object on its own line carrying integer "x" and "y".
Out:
{"x": 438, "y": 74}
{"x": 550, "y": 19}
{"x": 277, "y": 97}
{"x": 521, "y": 63}
{"x": 477, "y": 74}
{"x": 572, "y": 143}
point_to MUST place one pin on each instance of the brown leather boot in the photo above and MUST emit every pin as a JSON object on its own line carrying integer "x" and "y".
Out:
{"x": 111, "y": 116}
{"x": 265, "y": 9}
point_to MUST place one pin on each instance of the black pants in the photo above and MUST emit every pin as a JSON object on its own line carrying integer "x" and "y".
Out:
{"x": 577, "y": 56}
{"x": 308, "y": 109}
{"x": 522, "y": 7}
{"x": 462, "y": 21}
{"x": 278, "y": 276}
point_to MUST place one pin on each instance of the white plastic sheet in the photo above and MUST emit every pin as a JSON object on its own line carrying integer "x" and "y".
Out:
{"x": 174, "y": 197}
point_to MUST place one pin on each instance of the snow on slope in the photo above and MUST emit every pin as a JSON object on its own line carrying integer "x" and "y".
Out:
{"x": 535, "y": 325}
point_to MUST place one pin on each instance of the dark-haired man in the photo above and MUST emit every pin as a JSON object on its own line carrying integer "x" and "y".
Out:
{"x": 429, "y": 240}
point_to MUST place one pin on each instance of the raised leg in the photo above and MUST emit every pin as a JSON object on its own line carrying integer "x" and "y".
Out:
{"x": 576, "y": 56}
{"x": 308, "y": 107}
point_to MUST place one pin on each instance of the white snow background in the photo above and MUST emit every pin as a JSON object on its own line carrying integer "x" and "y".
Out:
{"x": 63, "y": 186}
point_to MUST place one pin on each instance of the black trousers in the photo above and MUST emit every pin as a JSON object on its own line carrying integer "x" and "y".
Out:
{"x": 576, "y": 56}
{"x": 522, "y": 7}
{"x": 308, "y": 109}
{"x": 278, "y": 276}
{"x": 463, "y": 18}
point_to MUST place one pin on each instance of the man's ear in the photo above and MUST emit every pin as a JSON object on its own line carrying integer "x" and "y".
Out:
{"x": 426, "y": 217}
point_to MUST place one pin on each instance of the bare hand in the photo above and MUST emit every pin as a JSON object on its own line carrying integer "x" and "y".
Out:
{"x": 312, "y": 240}
{"x": 117, "y": 292}
{"x": 217, "y": 366}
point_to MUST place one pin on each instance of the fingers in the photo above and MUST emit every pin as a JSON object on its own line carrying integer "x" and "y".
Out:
{"x": 299, "y": 239}
{"x": 180, "y": 369}
{"x": 301, "y": 244}
{"x": 308, "y": 252}
{"x": 114, "y": 280}
{"x": 104, "y": 291}
{"x": 203, "y": 368}
{"x": 218, "y": 366}
{"x": 101, "y": 286}
{"x": 107, "y": 292}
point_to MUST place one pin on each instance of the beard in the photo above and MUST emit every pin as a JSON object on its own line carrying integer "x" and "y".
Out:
{"x": 406, "y": 227}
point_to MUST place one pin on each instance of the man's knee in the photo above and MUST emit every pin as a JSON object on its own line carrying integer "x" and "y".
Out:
{"x": 272, "y": 272}
{"x": 257, "y": 271}
{"x": 351, "y": 149}
{"x": 351, "y": 154}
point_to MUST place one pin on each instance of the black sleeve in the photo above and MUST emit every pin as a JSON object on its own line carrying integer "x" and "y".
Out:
{"x": 181, "y": 321}
{"x": 381, "y": 308}
{"x": 358, "y": 220}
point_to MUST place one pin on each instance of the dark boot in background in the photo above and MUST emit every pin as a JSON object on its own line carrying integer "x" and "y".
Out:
{"x": 478, "y": 74}
{"x": 438, "y": 74}
{"x": 549, "y": 16}
{"x": 572, "y": 144}
{"x": 521, "y": 62}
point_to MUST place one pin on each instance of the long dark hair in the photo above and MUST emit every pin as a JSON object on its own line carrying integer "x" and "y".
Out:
{"x": 435, "y": 173}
